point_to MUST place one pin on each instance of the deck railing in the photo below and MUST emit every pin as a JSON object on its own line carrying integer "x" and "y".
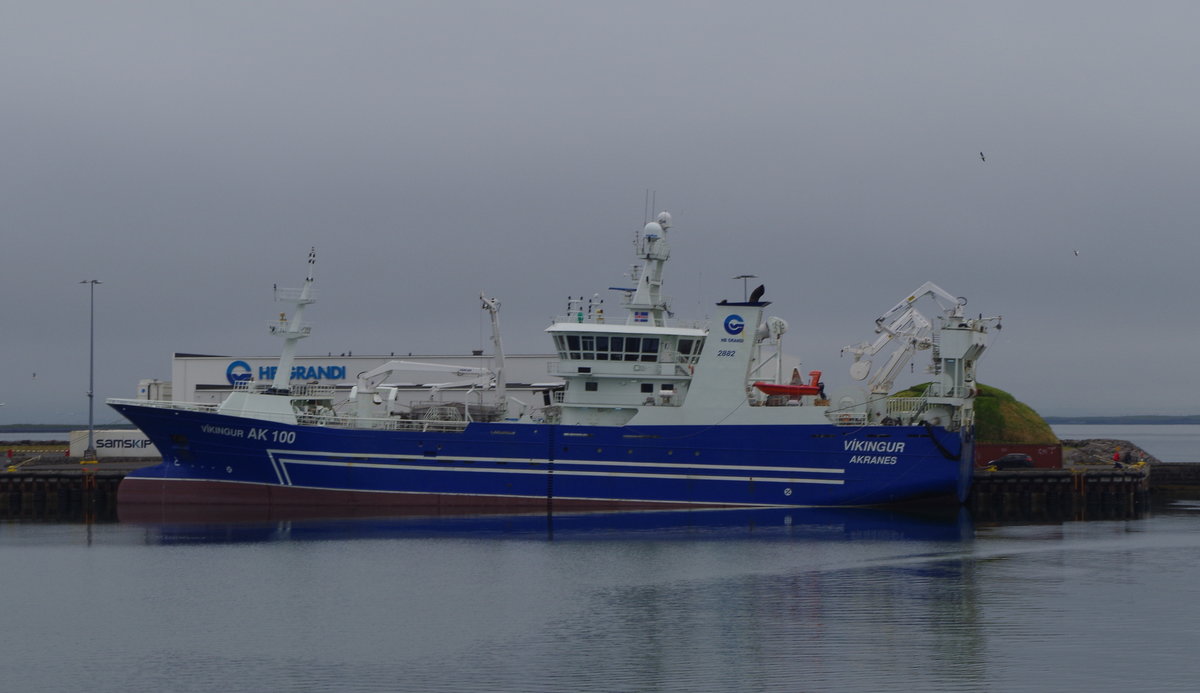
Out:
{"x": 906, "y": 407}
{"x": 310, "y": 390}
{"x": 936, "y": 390}
{"x": 165, "y": 404}
{"x": 313, "y": 391}
{"x": 622, "y": 318}
{"x": 847, "y": 418}
{"x": 328, "y": 420}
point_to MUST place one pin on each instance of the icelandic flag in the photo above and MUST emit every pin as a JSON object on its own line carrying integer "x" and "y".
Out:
{"x": 641, "y": 316}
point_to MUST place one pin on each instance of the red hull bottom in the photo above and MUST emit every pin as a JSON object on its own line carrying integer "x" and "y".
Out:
{"x": 187, "y": 492}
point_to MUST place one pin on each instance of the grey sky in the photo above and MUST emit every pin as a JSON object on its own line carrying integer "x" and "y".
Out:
{"x": 188, "y": 154}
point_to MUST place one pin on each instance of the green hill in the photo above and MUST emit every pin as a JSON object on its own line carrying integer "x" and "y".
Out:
{"x": 1001, "y": 418}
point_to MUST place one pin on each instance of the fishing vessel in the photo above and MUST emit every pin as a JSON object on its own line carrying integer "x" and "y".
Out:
{"x": 648, "y": 412}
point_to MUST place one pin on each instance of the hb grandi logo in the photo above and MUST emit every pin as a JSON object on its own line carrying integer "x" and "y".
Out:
{"x": 238, "y": 371}
{"x": 734, "y": 324}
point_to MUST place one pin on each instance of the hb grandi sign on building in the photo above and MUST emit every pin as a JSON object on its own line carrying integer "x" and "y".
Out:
{"x": 208, "y": 379}
{"x": 239, "y": 371}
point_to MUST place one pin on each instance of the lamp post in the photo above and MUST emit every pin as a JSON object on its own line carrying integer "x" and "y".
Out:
{"x": 89, "y": 455}
{"x": 744, "y": 278}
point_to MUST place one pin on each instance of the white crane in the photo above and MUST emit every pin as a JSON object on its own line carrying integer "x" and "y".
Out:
{"x": 370, "y": 381}
{"x": 492, "y": 306}
{"x": 910, "y": 328}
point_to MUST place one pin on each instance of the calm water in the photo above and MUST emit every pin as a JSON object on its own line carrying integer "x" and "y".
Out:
{"x": 704, "y": 601}
{"x": 1174, "y": 443}
{"x": 777, "y": 600}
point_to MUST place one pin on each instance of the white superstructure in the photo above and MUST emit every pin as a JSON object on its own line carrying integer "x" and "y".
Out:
{"x": 643, "y": 369}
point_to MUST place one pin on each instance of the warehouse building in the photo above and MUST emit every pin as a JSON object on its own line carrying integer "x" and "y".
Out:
{"x": 209, "y": 379}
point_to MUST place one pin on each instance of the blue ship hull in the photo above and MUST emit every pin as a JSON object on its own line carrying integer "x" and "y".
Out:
{"x": 213, "y": 458}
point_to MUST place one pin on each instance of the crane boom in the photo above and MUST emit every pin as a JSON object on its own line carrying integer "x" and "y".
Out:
{"x": 929, "y": 289}
{"x": 910, "y": 328}
{"x": 492, "y": 306}
{"x": 368, "y": 381}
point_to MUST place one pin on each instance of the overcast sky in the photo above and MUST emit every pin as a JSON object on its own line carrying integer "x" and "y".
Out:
{"x": 188, "y": 154}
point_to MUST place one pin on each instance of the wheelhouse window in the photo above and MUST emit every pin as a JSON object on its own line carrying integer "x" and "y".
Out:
{"x": 633, "y": 348}
{"x": 589, "y": 347}
{"x": 689, "y": 350}
{"x": 650, "y": 349}
{"x": 601, "y": 348}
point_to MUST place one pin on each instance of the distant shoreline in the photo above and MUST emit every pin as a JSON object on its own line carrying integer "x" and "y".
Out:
{"x": 59, "y": 428}
{"x": 1122, "y": 420}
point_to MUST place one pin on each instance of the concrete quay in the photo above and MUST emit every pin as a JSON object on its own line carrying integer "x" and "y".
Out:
{"x": 1094, "y": 492}
{"x": 62, "y": 488}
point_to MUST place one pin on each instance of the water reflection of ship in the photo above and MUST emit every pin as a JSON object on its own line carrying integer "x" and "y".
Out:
{"x": 174, "y": 523}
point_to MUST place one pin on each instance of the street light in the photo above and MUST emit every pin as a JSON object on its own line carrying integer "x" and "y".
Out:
{"x": 745, "y": 278}
{"x": 89, "y": 455}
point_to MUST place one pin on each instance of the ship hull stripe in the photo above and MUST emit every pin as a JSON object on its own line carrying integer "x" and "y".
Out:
{"x": 558, "y": 472}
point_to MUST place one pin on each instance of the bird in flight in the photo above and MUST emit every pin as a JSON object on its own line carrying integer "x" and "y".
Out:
{"x": 982, "y": 157}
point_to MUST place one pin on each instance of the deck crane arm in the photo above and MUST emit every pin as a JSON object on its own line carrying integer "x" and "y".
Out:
{"x": 369, "y": 380}
{"x": 910, "y": 328}
{"x": 916, "y": 336}
{"x": 492, "y": 306}
{"x": 909, "y": 323}
{"x": 949, "y": 303}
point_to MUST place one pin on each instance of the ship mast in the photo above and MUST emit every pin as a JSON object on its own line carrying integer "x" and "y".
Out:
{"x": 647, "y": 305}
{"x": 292, "y": 330}
{"x": 492, "y": 306}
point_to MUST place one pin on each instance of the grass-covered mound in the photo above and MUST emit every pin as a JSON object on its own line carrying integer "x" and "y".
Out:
{"x": 1000, "y": 418}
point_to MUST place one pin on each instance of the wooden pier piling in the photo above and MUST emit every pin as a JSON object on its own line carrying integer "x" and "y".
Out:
{"x": 60, "y": 492}
{"x": 1087, "y": 493}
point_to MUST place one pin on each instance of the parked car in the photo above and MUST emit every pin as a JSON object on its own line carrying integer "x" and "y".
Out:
{"x": 1013, "y": 460}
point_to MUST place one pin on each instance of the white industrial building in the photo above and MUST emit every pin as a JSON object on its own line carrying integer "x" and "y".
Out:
{"x": 208, "y": 379}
